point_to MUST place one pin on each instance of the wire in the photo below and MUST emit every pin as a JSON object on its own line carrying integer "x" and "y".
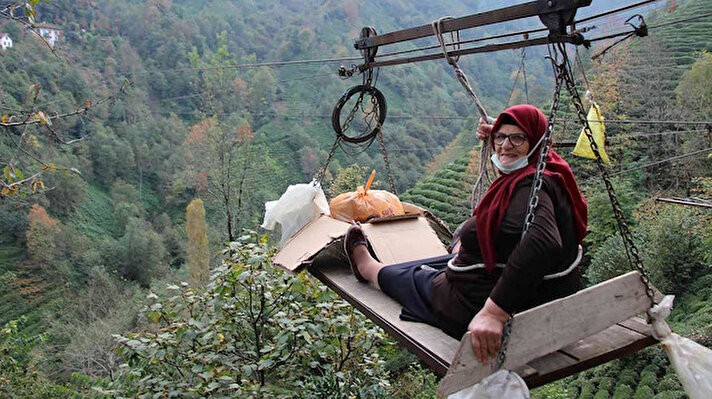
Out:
{"x": 647, "y": 165}
{"x": 615, "y": 11}
{"x": 680, "y": 21}
{"x": 628, "y": 34}
{"x": 644, "y": 135}
{"x": 253, "y": 65}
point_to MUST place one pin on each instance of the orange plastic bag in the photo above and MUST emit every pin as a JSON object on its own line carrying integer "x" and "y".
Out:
{"x": 365, "y": 204}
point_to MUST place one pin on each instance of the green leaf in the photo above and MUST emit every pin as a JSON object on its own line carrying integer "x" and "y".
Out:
{"x": 154, "y": 316}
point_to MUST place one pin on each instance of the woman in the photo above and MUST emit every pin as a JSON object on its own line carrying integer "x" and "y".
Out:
{"x": 494, "y": 274}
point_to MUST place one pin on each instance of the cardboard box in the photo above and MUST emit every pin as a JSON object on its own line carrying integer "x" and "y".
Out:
{"x": 394, "y": 240}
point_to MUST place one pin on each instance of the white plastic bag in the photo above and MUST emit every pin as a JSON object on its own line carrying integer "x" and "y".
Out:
{"x": 501, "y": 384}
{"x": 299, "y": 205}
{"x": 692, "y": 362}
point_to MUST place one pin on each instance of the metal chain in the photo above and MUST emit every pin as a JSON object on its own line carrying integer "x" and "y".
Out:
{"x": 534, "y": 195}
{"x": 382, "y": 144}
{"x": 385, "y": 161}
{"x": 627, "y": 236}
{"x": 320, "y": 176}
{"x": 502, "y": 354}
{"x": 543, "y": 152}
{"x": 352, "y": 114}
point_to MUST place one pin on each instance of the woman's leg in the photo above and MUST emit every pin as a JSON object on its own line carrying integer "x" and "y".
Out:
{"x": 367, "y": 266}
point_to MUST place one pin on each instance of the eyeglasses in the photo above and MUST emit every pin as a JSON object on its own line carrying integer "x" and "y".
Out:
{"x": 514, "y": 139}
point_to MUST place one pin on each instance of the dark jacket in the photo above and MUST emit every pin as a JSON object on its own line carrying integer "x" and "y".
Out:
{"x": 549, "y": 247}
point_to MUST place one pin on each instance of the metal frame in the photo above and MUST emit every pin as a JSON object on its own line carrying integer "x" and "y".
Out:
{"x": 555, "y": 14}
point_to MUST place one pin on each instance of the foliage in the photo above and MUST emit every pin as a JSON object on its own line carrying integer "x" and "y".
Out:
{"x": 695, "y": 88}
{"x": 19, "y": 378}
{"x": 255, "y": 331}
{"x": 181, "y": 58}
{"x": 671, "y": 242}
{"x": 348, "y": 179}
{"x": 67, "y": 193}
{"x": 138, "y": 255}
{"x": 85, "y": 325}
{"x": 198, "y": 255}
{"x": 602, "y": 223}
{"x": 41, "y": 235}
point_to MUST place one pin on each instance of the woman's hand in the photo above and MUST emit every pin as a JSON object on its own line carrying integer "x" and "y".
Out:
{"x": 486, "y": 330}
{"x": 483, "y": 130}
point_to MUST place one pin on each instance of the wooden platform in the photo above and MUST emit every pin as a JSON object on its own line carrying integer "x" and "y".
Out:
{"x": 438, "y": 350}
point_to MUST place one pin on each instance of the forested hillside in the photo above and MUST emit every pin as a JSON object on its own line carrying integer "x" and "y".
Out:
{"x": 144, "y": 107}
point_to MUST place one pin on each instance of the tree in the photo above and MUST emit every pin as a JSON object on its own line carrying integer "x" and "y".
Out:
{"x": 41, "y": 235}
{"x": 198, "y": 255}
{"x": 138, "y": 255}
{"x": 217, "y": 160}
{"x": 694, "y": 92}
{"x": 255, "y": 332}
{"x": 68, "y": 194}
{"x": 33, "y": 124}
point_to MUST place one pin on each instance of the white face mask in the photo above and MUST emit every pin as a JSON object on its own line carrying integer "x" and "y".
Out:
{"x": 515, "y": 165}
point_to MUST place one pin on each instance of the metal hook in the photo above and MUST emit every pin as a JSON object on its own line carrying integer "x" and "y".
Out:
{"x": 642, "y": 29}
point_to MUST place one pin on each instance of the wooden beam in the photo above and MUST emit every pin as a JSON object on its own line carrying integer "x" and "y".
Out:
{"x": 526, "y": 10}
{"x": 684, "y": 202}
{"x": 552, "y": 326}
{"x": 475, "y": 50}
{"x": 609, "y": 344}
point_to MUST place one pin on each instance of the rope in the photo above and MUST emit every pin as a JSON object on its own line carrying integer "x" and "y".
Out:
{"x": 484, "y": 178}
{"x": 516, "y": 78}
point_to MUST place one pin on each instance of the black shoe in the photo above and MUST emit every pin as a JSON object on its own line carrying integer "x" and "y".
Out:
{"x": 354, "y": 237}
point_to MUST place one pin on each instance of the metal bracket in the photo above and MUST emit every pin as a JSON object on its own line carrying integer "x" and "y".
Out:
{"x": 558, "y": 14}
{"x": 642, "y": 29}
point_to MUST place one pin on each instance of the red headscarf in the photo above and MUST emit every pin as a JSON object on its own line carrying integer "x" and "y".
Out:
{"x": 495, "y": 202}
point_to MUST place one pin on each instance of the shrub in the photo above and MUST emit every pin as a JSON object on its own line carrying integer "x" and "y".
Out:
{"x": 671, "y": 395}
{"x": 669, "y": 383}
{"x": 605, "y": 384}
{"x": 628, "y": 377}
{"x": 622, "y": 391}
{"x": 670, "y": 242}
{"x": 602, "y": 394}
{"x": 587, "y": 390}
{"x": 673, "y": 248}
{"x": 643, "y": 392}
{"x": 648, "y": 378}
{"x": 256, "y": 331}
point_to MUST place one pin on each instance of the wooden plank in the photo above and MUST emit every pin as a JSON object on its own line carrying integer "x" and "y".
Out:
{"x": 552, "y": 326}
{"x": 429, "y": 343}
{"x": 637, "y": 324}
{"x": 609, "y": 344}
{"x": 484, "y": 18}
{"x": 475, "y": 50}
{"x": 518, "y": 11}
{"x": 609, "y": 339}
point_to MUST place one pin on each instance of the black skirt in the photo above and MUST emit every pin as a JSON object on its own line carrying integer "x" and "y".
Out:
{"x": 410, "y": 284}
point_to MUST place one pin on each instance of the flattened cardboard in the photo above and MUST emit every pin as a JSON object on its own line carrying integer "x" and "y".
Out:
{"x": 393, "y": 241}
{"x": 309, "y": 241}
{"x": 403, "y": 240}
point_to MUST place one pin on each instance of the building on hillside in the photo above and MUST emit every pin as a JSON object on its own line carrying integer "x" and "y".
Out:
{"x": 52, "y": 34}
{"x": 5, "y": 41}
